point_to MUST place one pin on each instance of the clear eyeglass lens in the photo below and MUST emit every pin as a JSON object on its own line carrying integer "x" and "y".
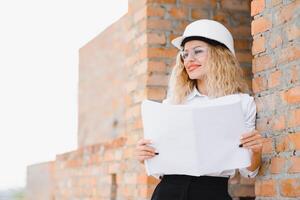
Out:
{"x": 194, "y": 53}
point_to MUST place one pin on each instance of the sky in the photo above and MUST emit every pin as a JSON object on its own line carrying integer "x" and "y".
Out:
{"x": 39, "y": 44}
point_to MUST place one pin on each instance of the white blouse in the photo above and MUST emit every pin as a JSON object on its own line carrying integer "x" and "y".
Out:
{"x": 249, "y": 110}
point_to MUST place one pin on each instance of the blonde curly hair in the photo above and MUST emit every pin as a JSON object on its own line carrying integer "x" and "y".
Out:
{"x": 224, "y": 76}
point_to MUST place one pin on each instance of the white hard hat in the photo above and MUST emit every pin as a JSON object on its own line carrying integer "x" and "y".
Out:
{"x": 206, "y": 28}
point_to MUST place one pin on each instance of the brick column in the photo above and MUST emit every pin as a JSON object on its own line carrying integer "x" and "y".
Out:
{"x": 276, "y": 51}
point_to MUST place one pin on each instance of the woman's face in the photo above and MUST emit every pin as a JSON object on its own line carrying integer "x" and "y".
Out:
{"x": 194, "y": 56}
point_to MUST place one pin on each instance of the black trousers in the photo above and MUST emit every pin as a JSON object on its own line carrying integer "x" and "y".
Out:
{"x": 183, "y": 187}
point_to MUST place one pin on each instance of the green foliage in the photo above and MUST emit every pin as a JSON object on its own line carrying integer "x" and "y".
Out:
{"x": 19, "y": 194}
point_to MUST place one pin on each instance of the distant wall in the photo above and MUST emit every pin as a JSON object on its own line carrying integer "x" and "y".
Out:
{"x": 102, "y": 77}
{"x": 40, "y": 181}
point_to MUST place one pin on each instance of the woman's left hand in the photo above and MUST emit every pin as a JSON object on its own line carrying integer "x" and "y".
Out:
{"x": 252, "y": 140}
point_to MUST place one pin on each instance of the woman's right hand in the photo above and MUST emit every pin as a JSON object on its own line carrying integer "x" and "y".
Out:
{"x": 144, "y": 151}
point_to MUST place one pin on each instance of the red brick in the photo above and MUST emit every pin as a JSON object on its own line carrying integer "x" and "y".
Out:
{"x": 141, "y": 26}
{"x": 203, "y": 3}
{"x": 259, "y": 84}
{"x": 144, "y": 192}
{"x": 241, "y": 44}
{"x": 156, "y": 38}
{"x": 145, "y": 179}
{"x": 162, "y": 1}
{"x": 247, "y": 181}
{"x": 179, "y": 28}
{"x": 131, "y": 85}
{"x": 293, "y": 31}
{"x": 265, "y": 188}
{"x": 286, "y": 13}
{"x": 159, "y": 24}
{"x": 247, "y": 71}
{"x": 274, "y": 79}
{"x": 290, "y": 187}
{"x": 278, "y": 123}
{"x": 199, "y": 13}
{"x": 262, "y": 63}
{"x": 294, "y": 118}
{"x": 140, "y": 68}
{"x": 267, "y": 146}
{"x": 294, "y": 74}
{"x": 294, "y": 140}
{"x": 155, "y": 11}
{"x": 266, "y": 103}
{"x": 113, "y": 167}
{"x": 260, "y": 25}
{"x": 136, "y": 5}
{"x": 277, "y": 165}
{"x": 156, "y": 66}
{"x": 157, "y": 80}
{"x": 127, "y": 191}
{"x": 173, "y": 36}
{"x": 140, "y": 14}
{"x": 257, "y": 6}
{"x": 236, "y": 5}
{"x": 289, "y": 54}
{"x": 282, "y": 144}
{"x": 139, "y": 96}
{"x": 244, "y": 57}
{"x": 258, "y": 45}
{"x": 129, "y": 153}
{"x": 240, "y": 31}
{"x": 275, "y": 40}
{"x": 132, "y": 140}
{"x": 137, "y": 56}
{"x": 140, "y": 41}
{"x": 222, "y": 17}
{"x": 130, "y": 178}
{"x": 128, "y": 100}
{"x": 108, "y": 156}
{"x": 262, "y": 124}
{"x": 295, "y": 165}
{"x": 292, "y": 95}
{"x": 161, "y": 53}
{"x": 288, "y": 143}
{"x": 178, "y": 12}
{"x": 275, "y": 2}
{"x": 132, "y": 112}
{"x": 156, "y": 93}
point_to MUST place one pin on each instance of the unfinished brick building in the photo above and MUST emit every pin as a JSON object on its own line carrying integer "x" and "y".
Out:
{"x": 132, "y": 60}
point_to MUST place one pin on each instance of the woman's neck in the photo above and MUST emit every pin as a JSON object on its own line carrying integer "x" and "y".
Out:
{"x": 201, "y": 86}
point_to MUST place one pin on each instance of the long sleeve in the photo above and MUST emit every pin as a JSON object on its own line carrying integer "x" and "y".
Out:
{"x": 250, "y": 118}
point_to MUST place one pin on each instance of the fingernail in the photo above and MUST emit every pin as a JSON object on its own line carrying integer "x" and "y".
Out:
{"x": 241, "y": 145}
{"x": 156, "y": 153}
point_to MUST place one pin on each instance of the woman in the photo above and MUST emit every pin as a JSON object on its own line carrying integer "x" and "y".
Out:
{"x": 206, "y": 67}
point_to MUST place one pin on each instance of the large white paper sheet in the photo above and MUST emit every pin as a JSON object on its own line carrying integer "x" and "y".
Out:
{"x": 195, "y": 140}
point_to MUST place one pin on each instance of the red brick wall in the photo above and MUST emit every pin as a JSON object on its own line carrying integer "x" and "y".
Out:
{"x": 111, "y": 90}
{"x": 276, "y": 51}
{"x": 102, "y": 76}
{"x": 90, "y": 172}
{"x": 40, "y": 181}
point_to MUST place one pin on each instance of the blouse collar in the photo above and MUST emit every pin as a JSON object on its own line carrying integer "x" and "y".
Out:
{"x": 195, "y": 93}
